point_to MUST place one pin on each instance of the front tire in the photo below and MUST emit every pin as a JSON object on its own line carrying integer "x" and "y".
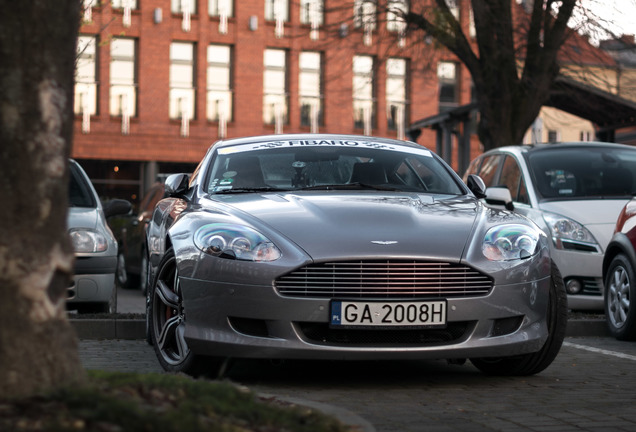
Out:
{"x": 167, "y": 320}
{"x": 533, "y": 363}
{"x": 620, "y": 289}
{"x": 121, "y": 273}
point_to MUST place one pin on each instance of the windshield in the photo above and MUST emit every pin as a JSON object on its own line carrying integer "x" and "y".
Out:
{"x": 583, "y": 172}
{"x": 297, "y": 165}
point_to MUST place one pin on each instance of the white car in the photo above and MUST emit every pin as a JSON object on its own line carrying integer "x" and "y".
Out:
{"x": 575, "y": 192}
{"x": 93, "y": 285}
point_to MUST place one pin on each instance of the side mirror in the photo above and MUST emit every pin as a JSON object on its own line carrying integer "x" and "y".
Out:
{"x": 117, "y": 207}
{"x": 499, "y": 195}
{"x": 177, "y": 184}
{"x": 476, "y": 185}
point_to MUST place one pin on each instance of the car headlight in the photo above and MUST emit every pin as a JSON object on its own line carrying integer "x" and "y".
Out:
{"x": 88, "y": 241}
{"x": 510, "y": 242}
{"x": 568, "y": 230}
{"x": 235, "y": 241}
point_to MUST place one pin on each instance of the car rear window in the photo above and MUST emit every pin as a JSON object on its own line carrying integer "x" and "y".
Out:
{"x": 79, "y": 191}
{"x": 582, "y": 172}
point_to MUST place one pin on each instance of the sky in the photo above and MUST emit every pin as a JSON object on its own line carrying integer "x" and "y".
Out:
{"x": 621, "y": 13}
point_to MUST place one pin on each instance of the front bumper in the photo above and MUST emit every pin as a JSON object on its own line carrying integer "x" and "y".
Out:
{"x": 587, "y": 268}
{"x": 254, "y": 321}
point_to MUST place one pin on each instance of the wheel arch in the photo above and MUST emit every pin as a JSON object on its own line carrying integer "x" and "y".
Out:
{"x": 620, "y": 243}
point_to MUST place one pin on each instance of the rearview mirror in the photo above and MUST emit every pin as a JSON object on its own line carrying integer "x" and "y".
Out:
{"x": 117, "y": 207}
{"x": 177, "y": 184}
{"x": 476, "y": 185}
{"x": 499, "y": 195}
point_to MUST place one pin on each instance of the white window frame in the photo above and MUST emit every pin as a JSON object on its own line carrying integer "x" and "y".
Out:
{"x": 310, "y": 73}
{"x": 275, "y": 103}
{"x": 219, "y": 92}
{"x": 397, "y": 73}
{"x": 86, "y": 85}
{"x": 363, "y": 92}
{"x": 182, "y": 91}
{"x": 123, "y": 88}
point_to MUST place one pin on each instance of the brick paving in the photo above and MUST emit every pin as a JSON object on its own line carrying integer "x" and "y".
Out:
{"x": 583, "y": 390}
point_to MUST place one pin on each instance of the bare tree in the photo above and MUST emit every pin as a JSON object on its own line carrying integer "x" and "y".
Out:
{"x": 513, "y": 49}
{"x": 38, "y": 348}
{"x": 509, "y": 96}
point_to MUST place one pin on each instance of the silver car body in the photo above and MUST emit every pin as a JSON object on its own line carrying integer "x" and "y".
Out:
{"x": 284, "y": 308}
{"x": 94, "y": 280}
{"x": 578, "y": 262}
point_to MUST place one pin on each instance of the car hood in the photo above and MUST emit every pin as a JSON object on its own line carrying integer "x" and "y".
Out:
{"x": 364, "y": 225}
{"x": 598, "y": 216}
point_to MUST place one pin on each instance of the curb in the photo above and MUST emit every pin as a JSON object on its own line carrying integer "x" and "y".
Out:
{"x": 109, "y": 328}
{"x": 346, "y": 417}
{"x": 128, "y": 329}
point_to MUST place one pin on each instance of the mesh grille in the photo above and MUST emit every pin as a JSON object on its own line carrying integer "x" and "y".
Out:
{"x": 324, "y": 335}
{"x": 384, "y": 279}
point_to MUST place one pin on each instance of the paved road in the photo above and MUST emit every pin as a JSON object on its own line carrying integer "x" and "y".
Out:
{"x": 130, "y": 301}
{"x": 590, "y": 387}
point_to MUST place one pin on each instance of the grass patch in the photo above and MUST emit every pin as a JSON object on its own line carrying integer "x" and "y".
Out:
{"x": 113, "y": 401}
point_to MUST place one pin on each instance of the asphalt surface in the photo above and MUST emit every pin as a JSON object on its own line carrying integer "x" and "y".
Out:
{"x": 589, "y": 387}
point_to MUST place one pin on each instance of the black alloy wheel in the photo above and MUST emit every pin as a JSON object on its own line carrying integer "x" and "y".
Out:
{"x": 167, "y": 320}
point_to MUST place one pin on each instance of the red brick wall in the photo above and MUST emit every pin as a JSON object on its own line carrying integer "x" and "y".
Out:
{"x": 154, "y": 137}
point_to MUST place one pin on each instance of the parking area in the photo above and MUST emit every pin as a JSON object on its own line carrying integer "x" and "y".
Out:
{"x": 588, "y": 388}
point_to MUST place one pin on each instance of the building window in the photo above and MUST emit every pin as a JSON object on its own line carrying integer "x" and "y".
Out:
{"x": 219, "y": 88}
{"x": 181, "y": 80}
{"x": 394, "y": 20}
{"x": 275, "y": 87}
{"x": 363, "y": 92}
{"x": 586, "y": 136}
{"x": 396, "y": 91}
{"x": 121, "y": 4}
{"x": 448, "y": 85}
{"x": 123, "y": 77}
{"x": 85, "y": 76}
{"x": 220, "y": 7}
{"x": 310, "y": 87}
{"x": 87, "y": 8}
{"x": 311, "y": 11}
{"x": 183, "y": 6}
{"x": 364, "y": 14}
{"x": 277, "y": 10}
{"x": 454, "y": 7}
{"x": 553, "y": 136}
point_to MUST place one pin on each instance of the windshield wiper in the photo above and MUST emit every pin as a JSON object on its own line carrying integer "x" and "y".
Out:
{"x": 351, "y": 186}
{"x": 250, "y": 190}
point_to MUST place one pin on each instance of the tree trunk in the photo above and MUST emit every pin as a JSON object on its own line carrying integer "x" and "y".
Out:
{"x": 38, "y": 348}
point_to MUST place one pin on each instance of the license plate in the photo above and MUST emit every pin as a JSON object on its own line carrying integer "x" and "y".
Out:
{"x": 388, "y": 314}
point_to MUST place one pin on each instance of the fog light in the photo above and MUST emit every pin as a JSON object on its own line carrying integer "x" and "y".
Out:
{"x": 573, "y": 286}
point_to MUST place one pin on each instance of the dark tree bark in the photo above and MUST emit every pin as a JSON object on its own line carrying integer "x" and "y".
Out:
{"x": 513, "y": 62}
{"x": 38, "y": 348}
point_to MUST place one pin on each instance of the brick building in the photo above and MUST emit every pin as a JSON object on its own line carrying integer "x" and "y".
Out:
{"x": 159, "y": 80}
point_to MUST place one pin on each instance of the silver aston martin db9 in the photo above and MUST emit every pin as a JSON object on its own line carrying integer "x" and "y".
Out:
{"x": 345, "y": 247}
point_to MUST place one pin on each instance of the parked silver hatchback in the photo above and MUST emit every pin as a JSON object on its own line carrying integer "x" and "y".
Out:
{"x": 574, "y": 192}
{"x": 93, "y": 285}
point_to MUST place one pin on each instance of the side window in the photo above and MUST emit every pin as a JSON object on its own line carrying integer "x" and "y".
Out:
{"x": 511, "y": 178}
{"x": 473, "y": 168}
{"x": 489, "y": 169}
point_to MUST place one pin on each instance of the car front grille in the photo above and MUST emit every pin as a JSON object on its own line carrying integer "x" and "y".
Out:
{"x": 384, "y": 279}
{"x": 322, "y": 334}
